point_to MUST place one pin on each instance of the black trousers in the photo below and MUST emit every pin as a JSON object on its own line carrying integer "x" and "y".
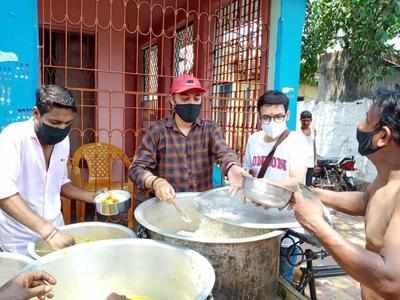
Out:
{"x": 309, "y": 176}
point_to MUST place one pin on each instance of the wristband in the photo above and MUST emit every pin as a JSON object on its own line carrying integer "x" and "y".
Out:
{"x": 51, "y": 235}
{"x": 153, "y": 184}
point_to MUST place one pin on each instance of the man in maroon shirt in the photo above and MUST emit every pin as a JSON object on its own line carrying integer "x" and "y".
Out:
{"x": 177, "y": 153}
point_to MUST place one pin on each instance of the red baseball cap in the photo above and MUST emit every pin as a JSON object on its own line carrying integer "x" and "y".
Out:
{"x": 185, "y": 83}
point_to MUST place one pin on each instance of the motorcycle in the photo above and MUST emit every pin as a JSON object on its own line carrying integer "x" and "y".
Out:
{"x": 335, "y": 174}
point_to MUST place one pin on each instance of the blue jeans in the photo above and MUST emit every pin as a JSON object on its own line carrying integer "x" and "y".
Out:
{"x": 287, "y": 263}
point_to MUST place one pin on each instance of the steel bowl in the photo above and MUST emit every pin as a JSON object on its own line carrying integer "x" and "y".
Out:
{"x": 266, "y": 193}
{"x": 112, "y": 209}
{"x": 84, "y": 232}
{"x": 11, "y": 264}
{"x": 130, "y": 267}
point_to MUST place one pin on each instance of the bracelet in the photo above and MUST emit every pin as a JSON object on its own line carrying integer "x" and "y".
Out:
{"x": 153, "y": 184}
{"x": 148, "y": 181}
{"x": 51, "y": 235}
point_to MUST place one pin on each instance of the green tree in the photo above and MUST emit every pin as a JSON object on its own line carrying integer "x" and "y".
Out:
{"x": 362, "y": 29}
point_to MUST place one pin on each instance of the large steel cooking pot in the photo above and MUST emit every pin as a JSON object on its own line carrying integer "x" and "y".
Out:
{"x": 131, "y": 267}
{"x": 245, "y": 259}
{"x": 83, "y": 233}
{"x": 11, "y": 264}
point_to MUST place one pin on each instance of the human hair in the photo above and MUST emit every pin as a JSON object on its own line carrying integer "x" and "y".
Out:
{"x": 388, "y": 102}
{"x": 49, "y": 96}
{"x": 273, "y": 98}
{"x": 306, "y": 114}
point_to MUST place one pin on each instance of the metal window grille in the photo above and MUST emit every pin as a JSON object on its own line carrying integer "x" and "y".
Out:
{"x": 150, "y": 96}
{"x": 184, "y": 56}
{"x": 237, "y": 63}
{"x": 151, "y": 73}
{"x": 95, "y": 49}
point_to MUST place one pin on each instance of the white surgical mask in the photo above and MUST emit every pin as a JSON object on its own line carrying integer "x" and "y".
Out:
{"x": 274, "y": 129}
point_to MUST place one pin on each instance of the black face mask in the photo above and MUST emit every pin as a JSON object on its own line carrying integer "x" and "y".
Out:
{"x": 49, "y": 135}
{"x": 364, "y": 139}
{"x": 188, "y": 112}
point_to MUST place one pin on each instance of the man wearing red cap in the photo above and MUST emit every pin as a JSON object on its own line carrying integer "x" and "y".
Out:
{"x": 177, "y": 153}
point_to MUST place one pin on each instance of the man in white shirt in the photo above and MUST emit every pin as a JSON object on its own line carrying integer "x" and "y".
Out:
{"x": 288, "y": 161}
{"x": 308, "y": 135}
{"x": 34, "y": 157}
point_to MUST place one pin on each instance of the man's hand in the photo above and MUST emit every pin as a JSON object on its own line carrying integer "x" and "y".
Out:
{"x": 235, "y": 177}
{"x": 308, "y": 211}
{"x": 28, "y": 285}
{"x": 164, "y": 190}
{"x": 97, "y": 193}
{"x": 92, "y": 195}
{"x": 60, "y": 240}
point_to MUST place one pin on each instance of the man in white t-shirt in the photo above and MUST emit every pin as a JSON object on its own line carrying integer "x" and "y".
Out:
{"x": 288, "y": 160}
{"x": 308, "y": 135}
{"x": 34, "y": 156}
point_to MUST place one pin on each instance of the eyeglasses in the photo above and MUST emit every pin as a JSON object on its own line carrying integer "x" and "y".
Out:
{"x": 276, "y": 118}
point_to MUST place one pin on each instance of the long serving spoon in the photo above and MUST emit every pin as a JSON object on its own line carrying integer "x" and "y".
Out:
{"x": 185, "y": 218}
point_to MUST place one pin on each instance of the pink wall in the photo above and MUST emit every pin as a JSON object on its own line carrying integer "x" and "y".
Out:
{"x": 111, "y": 100}
{"x": 80, "y": 15}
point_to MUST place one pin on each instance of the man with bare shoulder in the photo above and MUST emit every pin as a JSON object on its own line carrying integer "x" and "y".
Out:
{"x": 377, "y": 267}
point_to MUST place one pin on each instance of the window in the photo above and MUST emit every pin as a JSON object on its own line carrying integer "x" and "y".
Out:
{"x": 184, "y": 54}
{"x": 151, "y": 72}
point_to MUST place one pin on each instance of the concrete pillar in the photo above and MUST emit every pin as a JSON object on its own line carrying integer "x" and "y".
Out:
{"x": 19, "y": 60}
{"x": 287, "y": 22}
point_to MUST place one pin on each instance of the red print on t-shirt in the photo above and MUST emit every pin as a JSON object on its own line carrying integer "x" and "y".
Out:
{"x": 276, "y": 163}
